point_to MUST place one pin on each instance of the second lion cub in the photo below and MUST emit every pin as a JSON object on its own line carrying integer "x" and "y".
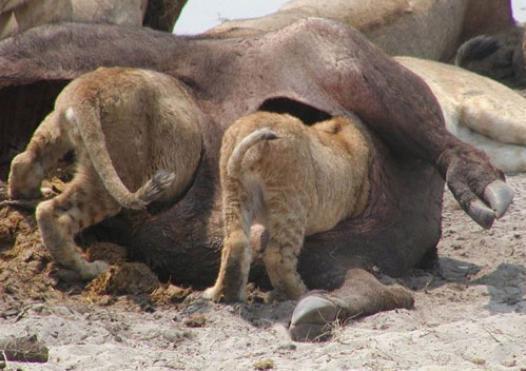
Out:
{"x": 294, "y": 179}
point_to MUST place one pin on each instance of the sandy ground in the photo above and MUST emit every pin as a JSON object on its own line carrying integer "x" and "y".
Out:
{"x": 469, "y": 315}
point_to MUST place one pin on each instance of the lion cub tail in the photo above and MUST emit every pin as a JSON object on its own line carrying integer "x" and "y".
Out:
{"x": 91, "y": 133}
{"x": 234, "y": 162}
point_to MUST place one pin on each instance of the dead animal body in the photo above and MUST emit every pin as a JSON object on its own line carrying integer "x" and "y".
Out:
{"x": 312, "y": 69}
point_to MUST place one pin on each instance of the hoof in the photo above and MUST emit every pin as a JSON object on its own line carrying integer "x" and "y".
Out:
{"x": 499, "y": 196}
{"x": 312, "y": 318}
{"x": 482, "y": 214}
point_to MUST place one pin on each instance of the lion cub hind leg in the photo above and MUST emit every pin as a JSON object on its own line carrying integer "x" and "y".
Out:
{"x": 232, "y": 279}
{"x": 46, "y": 147}
{"x": 236, "y": 255}
{"x": 84, "y": 202}
{"x": 286, "y": 223}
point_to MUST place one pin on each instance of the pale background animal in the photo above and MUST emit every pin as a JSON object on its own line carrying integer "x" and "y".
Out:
{"x": 478, "y": 110}
{"x": 19, "y": 15}
{"x": 431, "y": 29}
{"x": 201, "y": 15}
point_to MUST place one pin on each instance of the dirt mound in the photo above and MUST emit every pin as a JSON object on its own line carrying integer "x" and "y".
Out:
{"x": 28, "y": 274}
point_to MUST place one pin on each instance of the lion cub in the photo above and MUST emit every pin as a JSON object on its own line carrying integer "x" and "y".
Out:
{"x": 294, "y": 179}
{"x": 130, "y": 129}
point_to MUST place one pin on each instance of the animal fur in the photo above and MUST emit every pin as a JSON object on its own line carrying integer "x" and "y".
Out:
{"x": 310, "y": 67}
{"x": 478, "y": 111}
{"x": 296, "y": 181}
{"x": 498, "y": 56}
{"x": 130, "y": 129}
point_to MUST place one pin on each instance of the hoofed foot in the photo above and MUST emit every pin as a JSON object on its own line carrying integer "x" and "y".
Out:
{"x": 313, "y": 318}
{"x": 477, "y": 185}
{"x": 360, "y": 295}
{"x": 497, "y": 197}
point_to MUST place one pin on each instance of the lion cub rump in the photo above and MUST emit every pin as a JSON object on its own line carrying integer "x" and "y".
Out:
{"x": 294, "y": 179}
{"x": 130, "y": 129}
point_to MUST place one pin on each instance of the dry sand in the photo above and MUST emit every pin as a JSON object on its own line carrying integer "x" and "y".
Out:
{"x": 469, "y": 315}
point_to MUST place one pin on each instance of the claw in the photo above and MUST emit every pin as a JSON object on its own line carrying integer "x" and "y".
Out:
{"x": 499, "y": 196}
{"x": 482, "y": 214}
{"x": 312, "y": 318}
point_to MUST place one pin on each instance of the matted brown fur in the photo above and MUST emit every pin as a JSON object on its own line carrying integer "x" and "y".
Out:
{"x": 115, "y": 120}
{"x": 296, "y": 181}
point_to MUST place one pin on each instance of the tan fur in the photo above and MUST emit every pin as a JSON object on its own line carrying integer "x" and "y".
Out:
{"x": 19, "y": 15}
{"x": 125, "y": 125}
{"x": 303, "y": 182}
{"x": 478, "y": 111}
{"x": 431, "y": 29}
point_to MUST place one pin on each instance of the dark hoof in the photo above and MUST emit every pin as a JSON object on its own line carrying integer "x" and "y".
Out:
{"x": 499, "y": 196}
{"x": 312, "y": 318}
{"x": 482, "y": 214}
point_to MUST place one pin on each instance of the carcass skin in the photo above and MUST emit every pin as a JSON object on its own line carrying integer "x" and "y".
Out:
{"x": 312, "y": 68}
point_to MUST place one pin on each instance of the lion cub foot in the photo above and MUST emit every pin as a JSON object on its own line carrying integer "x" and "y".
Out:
{"x": 90, "y": 270}
{"x": 274, "y": 296}
{"x": 213, "y": 294}
{"x": 25, "y": 177}
{"x": 219, "y": 294}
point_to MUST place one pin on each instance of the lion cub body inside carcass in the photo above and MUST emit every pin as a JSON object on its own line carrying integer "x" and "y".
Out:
{"x": 130, "y": 129}
{"x": 295, "y": 180}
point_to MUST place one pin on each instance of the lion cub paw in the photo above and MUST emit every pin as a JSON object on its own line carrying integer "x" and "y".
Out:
{"x": 93, "y": 269}
{"x": 213, "y": 294}
{"x": 216, "y": 294}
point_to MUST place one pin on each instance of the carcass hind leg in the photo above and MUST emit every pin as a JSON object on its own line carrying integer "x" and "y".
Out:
{"x": 360, "y": 295}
